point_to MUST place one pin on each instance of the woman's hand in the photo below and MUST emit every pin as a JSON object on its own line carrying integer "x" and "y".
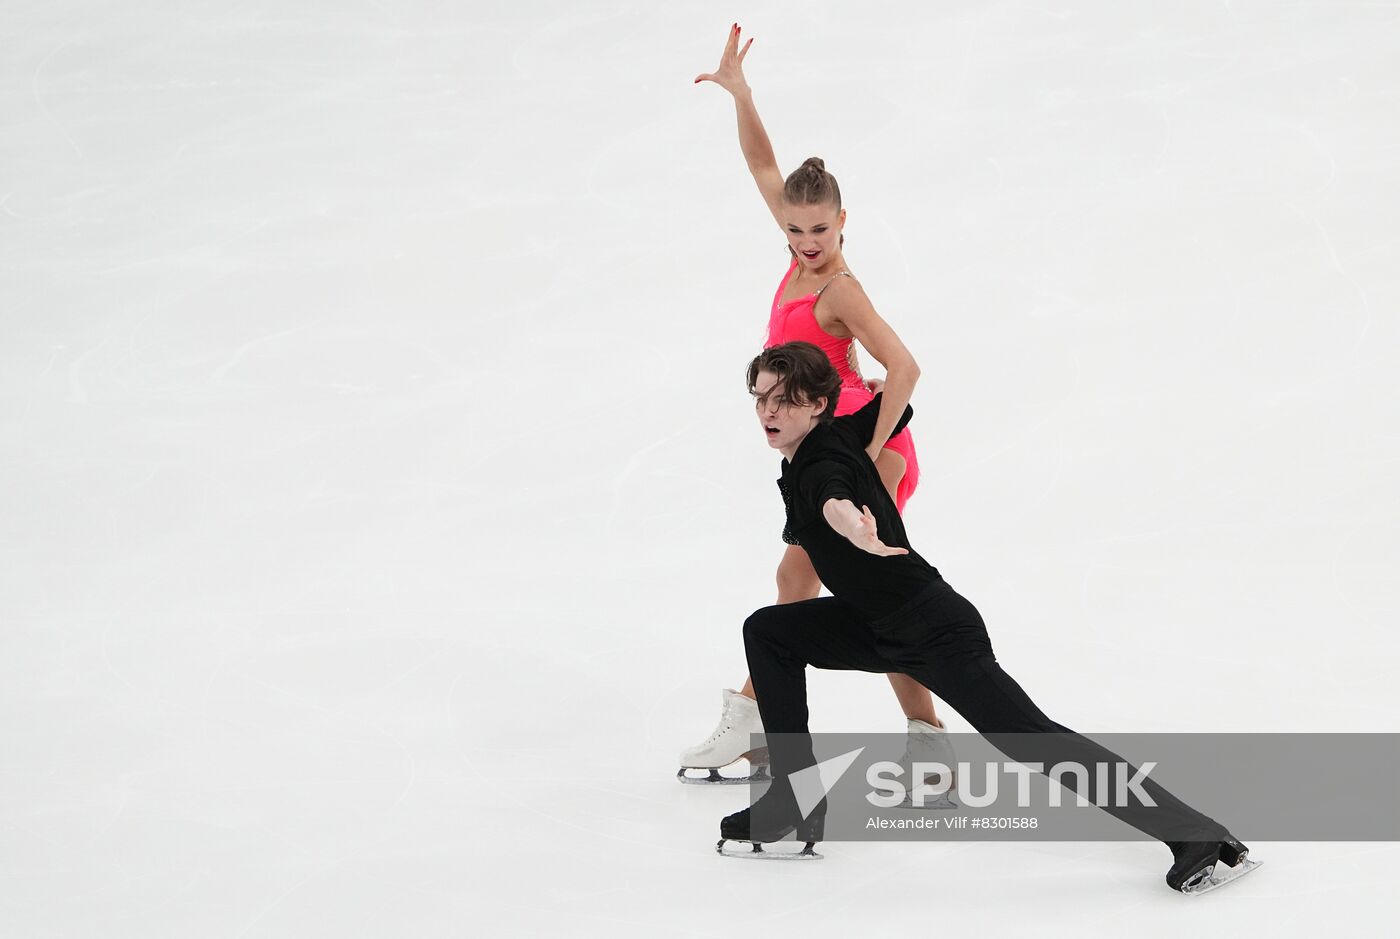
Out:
{"x": 730, "y": 74}
{"x": 876, "y": 385}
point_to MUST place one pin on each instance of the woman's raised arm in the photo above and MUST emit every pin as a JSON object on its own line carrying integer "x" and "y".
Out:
{"x": 753, "y": 139}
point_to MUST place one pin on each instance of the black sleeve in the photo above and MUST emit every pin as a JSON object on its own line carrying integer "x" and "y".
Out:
{"x": 826, "y": 479}
{"x": 862, "y": 423}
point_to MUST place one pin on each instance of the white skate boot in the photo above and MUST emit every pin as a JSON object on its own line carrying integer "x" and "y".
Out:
{"x": 929, "y": 744}
{"x": 729, "y": 744}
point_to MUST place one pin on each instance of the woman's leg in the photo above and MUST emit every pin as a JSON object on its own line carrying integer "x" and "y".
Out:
{"x": 913, "y": 697}
{"x": 891, "y": 467}
{"x": 797, "y": 579}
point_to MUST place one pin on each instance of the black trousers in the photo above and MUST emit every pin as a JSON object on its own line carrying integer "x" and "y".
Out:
{"x": 941, "y": 642}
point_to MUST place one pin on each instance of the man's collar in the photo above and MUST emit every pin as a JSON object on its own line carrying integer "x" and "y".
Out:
{"x": 802, "y": 447}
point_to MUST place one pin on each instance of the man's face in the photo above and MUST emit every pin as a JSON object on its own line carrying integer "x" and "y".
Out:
{"x": 784, "y": 422}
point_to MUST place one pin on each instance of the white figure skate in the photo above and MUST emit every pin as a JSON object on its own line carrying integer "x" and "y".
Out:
{"x": 928, "y": 744}
{"x": 729, "y": 744}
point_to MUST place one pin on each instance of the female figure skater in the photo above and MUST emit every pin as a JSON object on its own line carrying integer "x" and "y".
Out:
{"x": 820, "y": 302}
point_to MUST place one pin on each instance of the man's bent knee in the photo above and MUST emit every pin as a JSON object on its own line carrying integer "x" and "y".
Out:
{"x": 754, "y": 623}
{"x": 763, "y": 623}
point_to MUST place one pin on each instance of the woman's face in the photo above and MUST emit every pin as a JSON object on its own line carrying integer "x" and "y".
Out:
{"x": 814, "y": 231}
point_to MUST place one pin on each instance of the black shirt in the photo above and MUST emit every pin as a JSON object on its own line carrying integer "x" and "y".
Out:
{"x": 831, "y": 463}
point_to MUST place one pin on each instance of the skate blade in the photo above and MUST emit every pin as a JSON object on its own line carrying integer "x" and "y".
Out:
{"x": 941, "y": 803}
{"x": 1218, "y": 876}
{"x": 755, "y": 851}
{"x": 758, "y": 775}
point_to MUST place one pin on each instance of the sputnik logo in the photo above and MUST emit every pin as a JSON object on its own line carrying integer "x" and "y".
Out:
{"x": 811, "y": 785}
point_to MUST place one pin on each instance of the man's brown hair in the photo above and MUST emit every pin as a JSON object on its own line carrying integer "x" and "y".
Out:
{"x": 805, "y": 371}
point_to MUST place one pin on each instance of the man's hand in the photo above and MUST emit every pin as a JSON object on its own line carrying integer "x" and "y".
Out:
{"x": 858, "y": 528}
{"x": 867, "y": 538}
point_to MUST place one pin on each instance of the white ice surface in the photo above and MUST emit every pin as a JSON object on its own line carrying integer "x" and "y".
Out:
{"x": 380, "y": 499}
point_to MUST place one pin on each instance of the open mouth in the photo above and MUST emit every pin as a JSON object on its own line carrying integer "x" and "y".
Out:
{"x": 770, "y": 431}
{"x": 810, "y": 255}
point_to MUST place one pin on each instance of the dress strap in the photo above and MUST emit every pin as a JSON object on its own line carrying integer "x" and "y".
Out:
{"x": 833, "y": 277}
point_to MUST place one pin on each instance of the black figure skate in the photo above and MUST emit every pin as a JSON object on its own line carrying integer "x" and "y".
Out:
{"x": 1203, "y": 866}
{"x": 777, "y": 819}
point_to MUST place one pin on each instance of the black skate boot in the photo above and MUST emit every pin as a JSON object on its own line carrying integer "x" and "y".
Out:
{"x": 1202, "y": 866}
{"x": 777, "y": 820}
{"x": 1232, "y": 852}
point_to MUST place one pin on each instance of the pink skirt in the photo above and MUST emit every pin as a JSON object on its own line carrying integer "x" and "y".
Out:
{"x": 853, "y": 399}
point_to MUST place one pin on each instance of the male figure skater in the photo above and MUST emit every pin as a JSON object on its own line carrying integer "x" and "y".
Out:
{"x": 891, "y": 611}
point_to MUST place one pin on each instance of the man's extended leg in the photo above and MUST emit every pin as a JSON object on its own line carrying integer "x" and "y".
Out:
{"x": 944, "y": 645}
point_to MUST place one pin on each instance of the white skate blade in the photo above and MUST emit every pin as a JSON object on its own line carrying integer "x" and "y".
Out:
{"x": 1219, "y": 876}
{"x": 757, "y": 774}
{"x": 939, "y": 803}
{"x": 753, "y": 850}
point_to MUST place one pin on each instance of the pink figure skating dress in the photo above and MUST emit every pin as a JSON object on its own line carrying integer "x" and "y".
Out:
{"x": 796, "y": 320}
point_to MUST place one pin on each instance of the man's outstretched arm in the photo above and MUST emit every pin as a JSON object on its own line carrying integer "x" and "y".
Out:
{"x": 857, "y": 527}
